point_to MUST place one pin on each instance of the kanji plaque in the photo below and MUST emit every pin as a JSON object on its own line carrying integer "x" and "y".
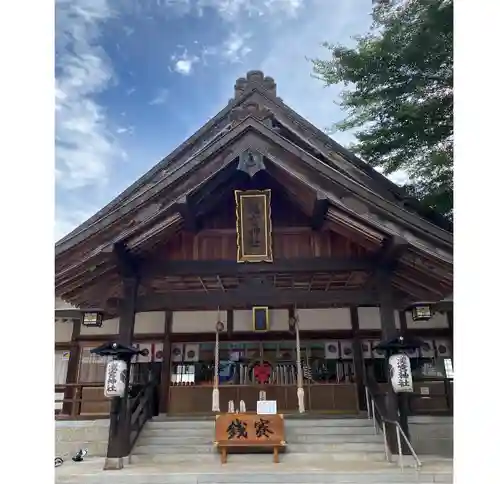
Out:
{"x": 249, "y": 429}
{"x": 253, "y": 225}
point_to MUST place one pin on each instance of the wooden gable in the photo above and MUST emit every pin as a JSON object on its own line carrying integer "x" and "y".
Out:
{"x": 324, "y": 204}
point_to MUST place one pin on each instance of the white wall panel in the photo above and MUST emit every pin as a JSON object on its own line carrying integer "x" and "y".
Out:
{"x": 152, "y": 322}
{"x": 324, "y": 319}
{"x": 369, "y": 318}
{"x": 63, "y": 331}
{"x": 197, "y": 321}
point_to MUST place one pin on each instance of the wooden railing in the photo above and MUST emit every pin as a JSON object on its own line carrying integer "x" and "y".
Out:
{"x": 439, "y": 400}
{"x": 141, "y": 410}
{"x": 436, "y": 400}
{"x": 377, "y": 411}
{"x": 96, "y": 405}
{"x": 81, "y": 401}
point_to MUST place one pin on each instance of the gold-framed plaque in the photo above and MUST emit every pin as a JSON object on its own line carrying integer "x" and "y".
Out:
{"x": 260, "y": 318}
{"x": 253, "y": 226}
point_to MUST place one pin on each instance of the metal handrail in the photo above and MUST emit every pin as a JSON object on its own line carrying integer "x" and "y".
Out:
{"x": 372, "y": 406}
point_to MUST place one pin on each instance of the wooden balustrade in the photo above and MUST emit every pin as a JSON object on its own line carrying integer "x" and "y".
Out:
{"x": 322, "y": 397}
{"x": 141, "y": 410}
{"x": 86, "y": 401}
{"x": 438, "y": 400}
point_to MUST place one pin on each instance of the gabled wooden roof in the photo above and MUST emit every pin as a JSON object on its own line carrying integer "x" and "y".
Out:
{"x": 252, "y": 95}
{"x": 358, "y": 197}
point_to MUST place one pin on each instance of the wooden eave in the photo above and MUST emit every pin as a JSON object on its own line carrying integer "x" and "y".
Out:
{"x": 168, "y": 181}
{"x": 257, "y": 136}
{"x": 339, "y": 156}
{"x": 340, "y": 180}
{"x": 166, "y": 164}
{"x": 347, "y": 162}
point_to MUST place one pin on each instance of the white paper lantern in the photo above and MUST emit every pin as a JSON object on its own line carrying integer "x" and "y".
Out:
{"x": 114, "y": 384}
{"x": 401, "y": 378}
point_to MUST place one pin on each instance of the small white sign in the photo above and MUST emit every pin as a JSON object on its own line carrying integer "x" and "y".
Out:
{"x": 267, "y": 407}
{"x": 424, "y": 391}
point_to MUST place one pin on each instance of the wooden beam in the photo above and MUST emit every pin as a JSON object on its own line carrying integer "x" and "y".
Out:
{"x": 127, "y": 263}
{"x": 392, "y": 250}
{"x": 395, "y": 405}
{"x": 319, "y": 211}
{"x": 119, "y": 429}
{"x": 230, "y": 323}
{"x": 185, "y": 208}
{"x": 73, "y": 364}
{"x": 449, "y": 317}
{"x": 388, "y": 322}
{"x": 230, "y": 267}
{"x": 359, "y": 364}
{"x": 165, "y": 368}
{"x": 248, "y": 296}
{"x": 403, "y": 323}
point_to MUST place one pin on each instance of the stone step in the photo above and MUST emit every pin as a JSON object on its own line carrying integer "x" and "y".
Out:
{"x": 351, "y": 478}
{"x": 90, "y": 472}
{"x": 189, "y": 449}
{"x": 286, "y": 458}
{"x": 148, "y": 431}
{"x": 324, "y": 423}
{"x": 191, "y": 430}
{"x": 289, "y": 423}
{"x": 344, "y": 447}
{"x": 182, "y": 424}
{"x": 307, "y": 448}
{"x": 329, "y": 431}
{"x": 332, "y": 438}
{"x": 174, "y": 440}
{"x": 166, "y": 439}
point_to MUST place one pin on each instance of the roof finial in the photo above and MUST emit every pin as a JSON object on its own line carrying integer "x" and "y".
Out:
{"x": 254, "y": 78}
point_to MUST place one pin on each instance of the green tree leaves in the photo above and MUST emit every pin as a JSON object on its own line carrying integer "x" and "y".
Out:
{"x": 399, "y": 95}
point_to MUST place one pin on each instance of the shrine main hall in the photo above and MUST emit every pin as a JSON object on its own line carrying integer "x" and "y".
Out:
{"x": 258, "y": 256}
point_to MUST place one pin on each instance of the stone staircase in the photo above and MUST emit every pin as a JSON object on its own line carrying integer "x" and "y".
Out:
{"x": 319, "y": 451}
{"x": 172, "y": 441}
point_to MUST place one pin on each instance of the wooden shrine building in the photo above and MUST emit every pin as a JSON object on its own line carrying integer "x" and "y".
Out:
{"x": 257, "y": 219}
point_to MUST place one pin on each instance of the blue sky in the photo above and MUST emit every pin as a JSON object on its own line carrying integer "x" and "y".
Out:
{"x": 134, "y": 78}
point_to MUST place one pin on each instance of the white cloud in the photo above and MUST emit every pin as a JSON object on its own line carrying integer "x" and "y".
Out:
{"x": 287, "y": 61}
{"x": 234, "y": 48}
{"x": 183, "y": 64}
{"x": 230, "y": 9}
{"x": 69, "y": 218}
{"x": 227, "y": 9}
{"x": 125, "y": 130}
{"x": 85, "y": 146}
{"x": 160, "y": 98}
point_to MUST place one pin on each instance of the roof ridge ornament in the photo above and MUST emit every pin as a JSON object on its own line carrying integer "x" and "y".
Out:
{"x": 254, "y": 79}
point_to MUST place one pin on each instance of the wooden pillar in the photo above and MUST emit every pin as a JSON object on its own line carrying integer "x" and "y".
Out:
{"x": 73, "y": 364}
{"x": 119, "y": 428}
{"x": 394, "y": 403}
{"x": 166, "y": 370}
{"x": 449, "y": 317}
{"x": 403, "y": 323}
{"x": 359, "y": 365}
{"x": 230, "y": 324}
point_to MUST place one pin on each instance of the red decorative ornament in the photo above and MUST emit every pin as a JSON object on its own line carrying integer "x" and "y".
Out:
{"x": 262, "y": 372}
